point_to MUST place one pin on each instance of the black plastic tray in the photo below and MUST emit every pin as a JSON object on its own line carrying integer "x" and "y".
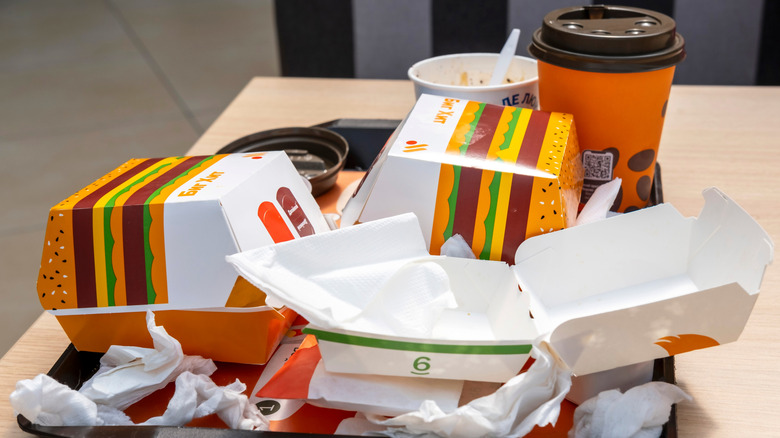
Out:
{"x": 76, "y": 367}
{"x": 366, "y": 137}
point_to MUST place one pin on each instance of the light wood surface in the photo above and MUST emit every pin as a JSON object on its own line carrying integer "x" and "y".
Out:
{"x": 727, "y": 137}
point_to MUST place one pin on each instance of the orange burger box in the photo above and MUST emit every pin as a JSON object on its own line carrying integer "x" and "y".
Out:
{"x": 494, "y": 175}
{"x": 153, "y": 234}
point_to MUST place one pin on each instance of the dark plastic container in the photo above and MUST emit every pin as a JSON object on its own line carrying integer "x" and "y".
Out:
{"x": 318, "y": 154}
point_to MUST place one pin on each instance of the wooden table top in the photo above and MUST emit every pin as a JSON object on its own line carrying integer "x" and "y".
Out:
{"x": 726, "y": 137}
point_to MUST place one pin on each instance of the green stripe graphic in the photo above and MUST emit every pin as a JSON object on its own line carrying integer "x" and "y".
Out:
{"x": 386, "y": 344}
{"x": 477, "y": 114}
{"x": 452, "y": 201}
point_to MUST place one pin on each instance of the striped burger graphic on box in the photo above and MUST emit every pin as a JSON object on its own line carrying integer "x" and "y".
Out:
{"x": 495, "y": 211}
{"x": 104, "y": 245}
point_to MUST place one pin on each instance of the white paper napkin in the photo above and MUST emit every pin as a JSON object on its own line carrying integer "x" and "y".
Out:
{"x": 597, "y": 207}
{"x": 380, "y": 395}
{"x": 127, "y": 374}
{"x": 373, "y": 277}
{"x": 197, "y": 396}
{"x": 529, "y": 399}
{"x": 639, "y": 413}
{"x": 456, "y": 246}
{"x": 48, "y": 402}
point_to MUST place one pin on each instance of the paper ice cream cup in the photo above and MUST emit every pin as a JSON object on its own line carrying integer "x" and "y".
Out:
{"x": 467, "y": 75}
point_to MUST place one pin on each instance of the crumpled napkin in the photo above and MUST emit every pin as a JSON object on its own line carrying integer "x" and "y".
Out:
{"x": 639, "y": 413}
{"x": 374, "y": 277}
{"x": 530, "y": 398}
{"x": 126, "y": 375}
{"x": 48, "y": 402}
{"x": 456, "y": 246}
{"x": 197, "y": 396}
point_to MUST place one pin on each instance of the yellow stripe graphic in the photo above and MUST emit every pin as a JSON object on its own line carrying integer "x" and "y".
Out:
{"x": 441, "y": 211}
{"x": 501, "y": 129}
{"x": 464, "y": 126}
{"x": 508, "y": 155}
{"x": 545, "y": 215}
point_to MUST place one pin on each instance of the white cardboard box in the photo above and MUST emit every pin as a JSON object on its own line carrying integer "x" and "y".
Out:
{"x": 625, "y": 290}
{"x": 495, "y": 175}
{"x": 153, "y": 235}
{"x": 646, "y": 284}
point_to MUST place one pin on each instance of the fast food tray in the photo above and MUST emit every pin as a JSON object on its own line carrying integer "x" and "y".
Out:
{"x": 366, "y": 137}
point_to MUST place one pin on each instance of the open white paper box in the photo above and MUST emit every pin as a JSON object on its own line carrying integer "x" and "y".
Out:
{"x": 624, "y": 290}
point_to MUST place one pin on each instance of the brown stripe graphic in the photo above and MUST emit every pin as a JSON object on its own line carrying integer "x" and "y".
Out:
{"x": 133, "y": 243}
{"x": 483, "y": 134}
{"x": 470, "y": 178}
{"x": 133, "y": 232}
{"x": 533, "y": 139}
{"x": 522, "y": 185}
{"x": 294, "y": 212}
{"x": 517, "y": 215}
{"x": 466, "y": 205}
{"x": 83, "y": 250}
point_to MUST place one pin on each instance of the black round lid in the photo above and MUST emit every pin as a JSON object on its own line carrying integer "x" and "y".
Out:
{"x": 608, "y": 39}
{"x": 318, "y": 154}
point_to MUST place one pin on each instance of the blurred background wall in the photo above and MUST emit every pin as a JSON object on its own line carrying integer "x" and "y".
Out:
{"x": 728, "y": 42}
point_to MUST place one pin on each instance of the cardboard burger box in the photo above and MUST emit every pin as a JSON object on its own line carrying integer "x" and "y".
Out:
{"x": 621, "y": 291}
{"x": 153, "y": 234}
{"x": 494, "y": 175}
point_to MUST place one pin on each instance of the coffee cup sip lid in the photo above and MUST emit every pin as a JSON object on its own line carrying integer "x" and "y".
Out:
{"x": 608, "y": 39}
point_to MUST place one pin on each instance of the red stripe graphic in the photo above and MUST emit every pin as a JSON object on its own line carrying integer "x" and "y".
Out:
{"x": 274, "y": 223}
{"x": 532, "y": 141}
{"x": 517, "y": 215}
{"x": 484, "y": 132}
{"x": 294, "y": 212}
{"x": 522, "y": 185}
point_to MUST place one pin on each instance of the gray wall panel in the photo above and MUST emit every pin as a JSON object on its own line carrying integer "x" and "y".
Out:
{"x": 390, "y": 36}
{"x": 721, "y": 39}
{"x": 527, "y": 16}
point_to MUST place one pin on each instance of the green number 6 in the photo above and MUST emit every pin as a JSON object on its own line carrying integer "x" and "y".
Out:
{"x": 421, "y": 365}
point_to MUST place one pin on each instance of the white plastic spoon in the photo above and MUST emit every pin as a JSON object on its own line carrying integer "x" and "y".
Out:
{"x": 505, "y": 57}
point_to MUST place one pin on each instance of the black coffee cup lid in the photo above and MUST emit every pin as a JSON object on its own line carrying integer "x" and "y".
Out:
{"x": 608, "y": 39}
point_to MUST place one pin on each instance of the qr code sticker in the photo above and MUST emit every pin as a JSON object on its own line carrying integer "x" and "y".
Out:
{"x": 597, "y": 165}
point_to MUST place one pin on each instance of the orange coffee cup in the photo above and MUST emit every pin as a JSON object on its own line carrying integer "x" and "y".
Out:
{"x": 612, "y": 68}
